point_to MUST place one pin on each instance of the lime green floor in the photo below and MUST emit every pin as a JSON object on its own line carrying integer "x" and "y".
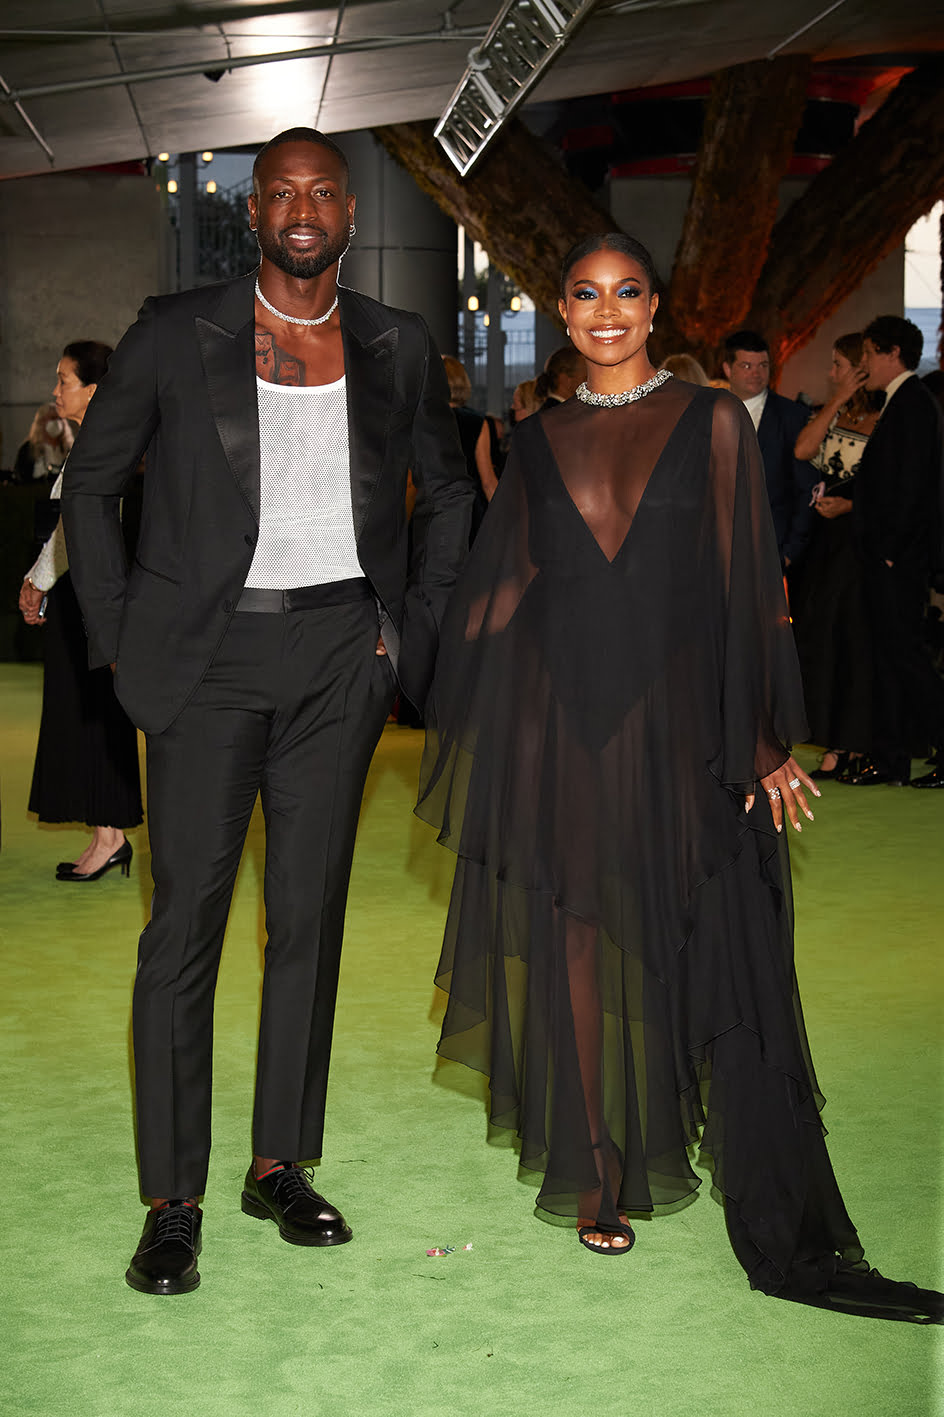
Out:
{"x": 525, "y": 1321}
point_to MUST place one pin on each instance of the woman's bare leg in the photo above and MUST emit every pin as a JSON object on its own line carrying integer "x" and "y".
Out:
{"x": 586, "y": 1008}
{"x": 105, "y": 842}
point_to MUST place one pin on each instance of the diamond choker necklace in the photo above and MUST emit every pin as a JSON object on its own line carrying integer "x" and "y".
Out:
{"x": 630, "y": 396}
{"x": 294, "y": 319}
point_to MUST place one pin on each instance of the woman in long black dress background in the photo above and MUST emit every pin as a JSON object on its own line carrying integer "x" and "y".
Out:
{"x": 616, "y": 677}
{"x": 830, "y": 622}
{"x": 86, "y": 766}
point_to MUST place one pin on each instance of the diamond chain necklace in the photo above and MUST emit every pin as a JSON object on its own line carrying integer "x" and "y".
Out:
{"x": 630, "y": 395}
{"x": 294, "y": 319}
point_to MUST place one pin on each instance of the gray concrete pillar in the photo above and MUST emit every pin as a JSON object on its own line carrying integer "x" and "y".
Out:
{"x": 404, "y": 252}
{"x": 188, "y": 257}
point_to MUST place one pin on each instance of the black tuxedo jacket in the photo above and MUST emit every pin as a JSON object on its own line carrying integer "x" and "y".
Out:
{"x": 789, "y": 481}
{"x": 898, "y": 486}
{"x": 182, "y": 384}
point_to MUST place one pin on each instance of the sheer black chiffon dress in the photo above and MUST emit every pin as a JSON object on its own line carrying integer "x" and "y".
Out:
{"x": 619, "y": 946}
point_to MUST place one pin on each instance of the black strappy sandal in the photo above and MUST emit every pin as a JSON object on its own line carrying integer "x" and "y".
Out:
{"x": 605, "y": 1249}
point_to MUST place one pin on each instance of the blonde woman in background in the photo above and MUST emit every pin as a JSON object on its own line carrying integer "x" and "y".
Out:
{"x": 687, "y": 367}
{"x": 46, "y": 447}
{"x": 525, "y": 400}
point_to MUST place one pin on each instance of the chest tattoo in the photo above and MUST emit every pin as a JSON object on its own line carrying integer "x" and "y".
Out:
{"x": 275, "y": 364}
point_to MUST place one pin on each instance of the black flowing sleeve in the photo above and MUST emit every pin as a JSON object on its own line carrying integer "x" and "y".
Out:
{"x": 762, "y": 712}
{"x": 479, "y": 656}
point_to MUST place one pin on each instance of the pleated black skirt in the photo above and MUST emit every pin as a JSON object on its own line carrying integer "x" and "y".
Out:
{"x": 87, "y": 755}
{"x": 834, "y": 639}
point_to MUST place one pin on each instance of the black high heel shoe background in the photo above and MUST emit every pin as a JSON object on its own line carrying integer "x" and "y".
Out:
{"x": 66, "y": 869}
{"x": 842, "y": 760}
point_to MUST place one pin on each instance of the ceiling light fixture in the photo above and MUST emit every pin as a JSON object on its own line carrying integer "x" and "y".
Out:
{"x": 524, "y": 39}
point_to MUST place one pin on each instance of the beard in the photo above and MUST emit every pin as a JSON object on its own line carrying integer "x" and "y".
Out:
{"x": 301, "y": 265}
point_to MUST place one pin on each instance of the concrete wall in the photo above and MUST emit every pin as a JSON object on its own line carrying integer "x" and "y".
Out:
{"x": 79, "y": 252}
{"x": 406, "y": 250}
{"x": 653, "y": 209}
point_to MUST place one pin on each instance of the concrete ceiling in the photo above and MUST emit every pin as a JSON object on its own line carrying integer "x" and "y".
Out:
{"x": 383, "y": 70}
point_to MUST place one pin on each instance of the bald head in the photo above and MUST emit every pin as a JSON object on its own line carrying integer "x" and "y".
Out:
{"x": 299, "y": 135}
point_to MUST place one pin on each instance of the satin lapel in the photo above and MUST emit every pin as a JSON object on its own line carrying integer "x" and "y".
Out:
{"x": 369, "y": 364}
{"x": 229, "y": 362}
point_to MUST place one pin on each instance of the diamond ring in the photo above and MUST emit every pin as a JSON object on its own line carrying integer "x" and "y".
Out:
{"x": 774, "y": 793}
{"x": 794, "y": 782}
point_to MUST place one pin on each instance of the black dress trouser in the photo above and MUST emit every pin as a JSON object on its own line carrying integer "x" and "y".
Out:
{"x": 291, "y": 707}
{"x": 908, "y": 697}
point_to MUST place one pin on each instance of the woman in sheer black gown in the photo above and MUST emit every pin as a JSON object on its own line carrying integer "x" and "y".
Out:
{"x": 616, "y": 677}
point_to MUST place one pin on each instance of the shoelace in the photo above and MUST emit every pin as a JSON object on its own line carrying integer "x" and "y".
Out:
{"x": 294, "y": 1183}
{"x": 175, "y": 1222}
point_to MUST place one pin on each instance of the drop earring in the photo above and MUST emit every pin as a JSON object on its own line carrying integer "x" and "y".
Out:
{"x": 352, "y": 229}
{"x": 651, "y": 328}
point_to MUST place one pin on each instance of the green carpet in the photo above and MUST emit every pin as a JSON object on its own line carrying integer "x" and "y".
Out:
{"x": 526, "y": 1319}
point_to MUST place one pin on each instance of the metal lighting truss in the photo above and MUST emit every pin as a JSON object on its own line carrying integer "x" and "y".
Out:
{"x": 525, "y": 38}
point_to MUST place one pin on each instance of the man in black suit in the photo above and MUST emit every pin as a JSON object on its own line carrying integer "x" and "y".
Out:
{"x": 258, "y": 641}
{"x": 778, "y": 423}
{"x": 897, "y": 512}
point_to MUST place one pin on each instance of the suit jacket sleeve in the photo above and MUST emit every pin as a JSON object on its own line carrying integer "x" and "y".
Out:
{"x": 441, "y": 518}
{"x": 117, "y": 428}
{"x": 801, "y": 477}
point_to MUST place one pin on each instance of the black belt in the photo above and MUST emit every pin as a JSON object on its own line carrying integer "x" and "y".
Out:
{"x": 306, "y": 597}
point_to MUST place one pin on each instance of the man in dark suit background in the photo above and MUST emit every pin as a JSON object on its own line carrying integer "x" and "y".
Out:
{"x": 897, "y": 512}
{"x": 564, "y": 370}
{"x": 258, "y": 641}
{"x": 778, "y": 423}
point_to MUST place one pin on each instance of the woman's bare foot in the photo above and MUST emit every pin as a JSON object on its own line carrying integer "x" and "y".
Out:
{"x": 605, "y": 1240}
{"x": 830, "y": 760}
{"x": 105, "y": 842}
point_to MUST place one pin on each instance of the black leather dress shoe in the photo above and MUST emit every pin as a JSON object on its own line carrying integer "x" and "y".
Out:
{"x": 930, "y": 779}
{"x": 285, "y": 1195}
{"x": 854, "y": 764}
{"x": 165, "y": 1261}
